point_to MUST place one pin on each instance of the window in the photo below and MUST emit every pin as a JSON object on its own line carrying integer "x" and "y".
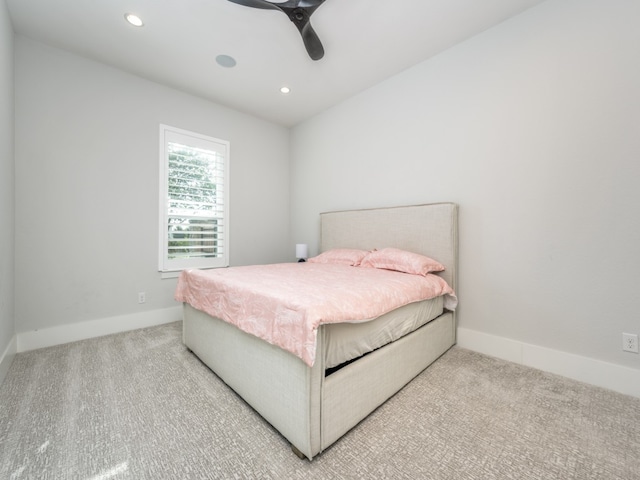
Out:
{"x": 194, "y": 206}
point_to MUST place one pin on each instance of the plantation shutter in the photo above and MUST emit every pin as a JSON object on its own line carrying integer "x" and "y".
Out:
{"x": 195, "y": 220}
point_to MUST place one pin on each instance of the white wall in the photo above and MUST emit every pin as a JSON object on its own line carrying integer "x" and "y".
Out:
{"x": 7, "y": 328}
{"x": 87, "y": 189}
{"x": 533, "y": 127}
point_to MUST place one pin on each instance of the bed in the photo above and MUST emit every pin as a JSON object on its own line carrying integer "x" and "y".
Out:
{"x": 312, "y": 406}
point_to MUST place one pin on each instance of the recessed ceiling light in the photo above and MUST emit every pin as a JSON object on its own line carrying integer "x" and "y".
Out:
{"x": 226, "y": 61}
{"x": 134, "y": 20}
{"x": 285, "y": 90}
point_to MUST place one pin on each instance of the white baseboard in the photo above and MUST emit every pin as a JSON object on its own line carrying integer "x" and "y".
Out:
{"x": 7, "y": 358}
{"x": 48, "y": 337}
{"x": 584, "y": 369}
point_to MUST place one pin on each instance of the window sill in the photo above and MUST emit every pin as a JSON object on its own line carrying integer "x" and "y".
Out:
{"x": 176, "y": 273}
{"x": 165, "y": 275}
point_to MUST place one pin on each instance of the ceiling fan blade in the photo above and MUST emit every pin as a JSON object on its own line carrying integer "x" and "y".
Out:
{"x": 301, "y": 18}
{"x": 313, "y": 4}
{"x": 312, "y": 42}
{"x": 299, "y": 12}
{"x": 257, "y": 4}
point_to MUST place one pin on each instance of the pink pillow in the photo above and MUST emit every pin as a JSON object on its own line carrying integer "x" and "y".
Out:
{"x": 401, "y": 261}
{"x": 341, "y": 256}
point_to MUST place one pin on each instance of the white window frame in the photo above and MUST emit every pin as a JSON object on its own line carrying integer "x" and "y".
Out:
{"x": 176, "y": 135}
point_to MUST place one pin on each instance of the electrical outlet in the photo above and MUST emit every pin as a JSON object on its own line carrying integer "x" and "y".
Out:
{"x": 142, "y": 297}
{"x": 630, "y": 342}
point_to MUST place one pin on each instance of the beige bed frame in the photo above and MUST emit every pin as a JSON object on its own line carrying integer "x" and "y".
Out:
{"x": 310, "y": 410}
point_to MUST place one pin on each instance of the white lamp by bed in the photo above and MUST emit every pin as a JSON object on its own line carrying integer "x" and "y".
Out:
{"x": 302, "y": 252}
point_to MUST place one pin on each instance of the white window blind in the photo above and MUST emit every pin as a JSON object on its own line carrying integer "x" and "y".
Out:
{"x": 194, "y": 219}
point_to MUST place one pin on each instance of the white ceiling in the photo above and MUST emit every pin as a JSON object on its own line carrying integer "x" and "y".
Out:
{"x": 365, "y": 42}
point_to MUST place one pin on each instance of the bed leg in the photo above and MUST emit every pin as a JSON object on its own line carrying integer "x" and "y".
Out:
{"x": 300, "y": 455}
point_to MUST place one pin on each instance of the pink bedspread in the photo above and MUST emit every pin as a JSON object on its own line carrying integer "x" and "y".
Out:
{"x": 284, "y": 304}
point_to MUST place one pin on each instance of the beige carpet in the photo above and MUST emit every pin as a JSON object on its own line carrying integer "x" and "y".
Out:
{"x": 138, "y": 405}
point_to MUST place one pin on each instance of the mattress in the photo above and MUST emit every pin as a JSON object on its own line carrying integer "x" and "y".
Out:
{"x": 285, "y": 304}
{"x": 346, "y": 341}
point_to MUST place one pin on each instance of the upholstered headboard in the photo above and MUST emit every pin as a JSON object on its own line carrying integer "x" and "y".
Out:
{"x": 430, "y": 230}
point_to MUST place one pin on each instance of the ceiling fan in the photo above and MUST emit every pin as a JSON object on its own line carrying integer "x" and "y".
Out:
{"x": 299, "y": 12}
